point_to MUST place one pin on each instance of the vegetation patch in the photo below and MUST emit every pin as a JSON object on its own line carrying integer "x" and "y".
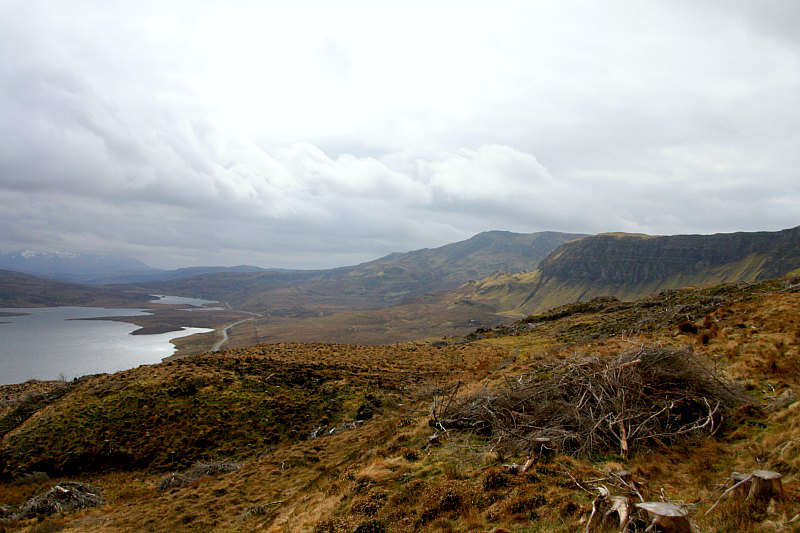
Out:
{"x": 176, "y": 414}
{"x": 176, "y": 480}
{"x": 592, "y": 405}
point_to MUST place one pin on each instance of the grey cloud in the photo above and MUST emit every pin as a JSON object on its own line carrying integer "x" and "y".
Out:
{"x": 287, "y": 138}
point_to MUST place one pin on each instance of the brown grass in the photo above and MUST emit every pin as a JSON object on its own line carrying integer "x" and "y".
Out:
{"x": 382, "y": 474}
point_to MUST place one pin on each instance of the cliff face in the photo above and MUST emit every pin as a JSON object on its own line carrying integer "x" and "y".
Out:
{"x": 634, "y": 260}
{"x": 633, "y": 266}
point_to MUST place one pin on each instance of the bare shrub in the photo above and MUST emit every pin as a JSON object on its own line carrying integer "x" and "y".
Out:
{"x": 66, "y": 496}
{"x": 176, "y": 480}
{"x": 591, "y": 405}
{"x": 212, "y": 469}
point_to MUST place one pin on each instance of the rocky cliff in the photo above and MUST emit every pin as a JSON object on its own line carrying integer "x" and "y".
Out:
{"x": 632, "y": 266}
{"x": 634, "y": 259}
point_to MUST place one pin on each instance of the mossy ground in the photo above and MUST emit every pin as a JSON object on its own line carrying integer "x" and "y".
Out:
{"x": 259, "y": 404}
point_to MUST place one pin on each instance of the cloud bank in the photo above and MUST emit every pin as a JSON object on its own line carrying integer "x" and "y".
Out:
{"x": 309, "y": 136}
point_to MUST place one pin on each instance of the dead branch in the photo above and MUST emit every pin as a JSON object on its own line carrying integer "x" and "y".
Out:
{"x": 651, "y": 395}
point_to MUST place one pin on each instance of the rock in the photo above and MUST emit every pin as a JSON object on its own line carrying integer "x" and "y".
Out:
{"x": 199, "y": 470}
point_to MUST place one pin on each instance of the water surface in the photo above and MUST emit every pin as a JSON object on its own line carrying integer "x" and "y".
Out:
{"x": 49, "y": 342}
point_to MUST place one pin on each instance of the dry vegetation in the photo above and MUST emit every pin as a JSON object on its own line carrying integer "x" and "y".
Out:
{"x": 587, "y": 406}
{"x": 337, "y": 437}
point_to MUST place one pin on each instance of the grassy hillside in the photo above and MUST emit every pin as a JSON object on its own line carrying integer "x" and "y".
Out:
{"x": 621, "y": 265}
{"x": 435, "y": 316}
{"x": 632, "y": 266}
{"x": 23, "y": 290}
{"x": 635, "y": 260}
{"x": 641, "y": 265}
{"x": 384, "y": 282}
{"x": 336, "y": 437}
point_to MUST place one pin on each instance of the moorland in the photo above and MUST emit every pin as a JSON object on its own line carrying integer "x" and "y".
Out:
{"x": 657, "y": 369}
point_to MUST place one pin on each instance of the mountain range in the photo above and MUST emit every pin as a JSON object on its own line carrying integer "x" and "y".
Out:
{"x": 390, "y": 280}
{"x": 100, "y": 269}
{"x": 493, "y": 277}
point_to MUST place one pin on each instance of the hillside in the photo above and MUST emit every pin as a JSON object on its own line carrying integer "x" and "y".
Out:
{"x": 23, "y": 290}
{"x": 620, "y": 265}
{"x": 72, "y": 267}
{"x": 338, "y": 437}
{"x": 387, "y": 281}
{"x": 632, "y": 266}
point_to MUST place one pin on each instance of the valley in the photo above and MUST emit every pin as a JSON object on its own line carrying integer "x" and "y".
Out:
{"x": 492, "y": 278}
{"x": 355, "y": 305}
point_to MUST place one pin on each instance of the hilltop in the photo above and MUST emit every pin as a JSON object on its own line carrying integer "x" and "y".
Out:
{"x": 337, "y": 437}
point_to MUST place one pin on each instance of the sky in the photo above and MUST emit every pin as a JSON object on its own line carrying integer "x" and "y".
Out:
{"x": 317, "y": 134}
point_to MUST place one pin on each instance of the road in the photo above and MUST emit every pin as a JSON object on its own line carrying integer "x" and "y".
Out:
{"x": 217, "y": 345}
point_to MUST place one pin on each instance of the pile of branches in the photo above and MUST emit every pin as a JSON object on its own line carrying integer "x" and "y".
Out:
{"x": 66, "y": 496}
{"x": 588, "y": 405}
{"x": 177, "y": 479}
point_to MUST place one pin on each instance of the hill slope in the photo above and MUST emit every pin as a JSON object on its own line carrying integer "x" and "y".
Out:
{"x": 23, "y": 290}
{"x": 71, "y": 266}
{"x": 337, "y": 437}
{"x": 633, "y": 266}
{"x": 620, "y": 265}
{"x": 384, "y": 282}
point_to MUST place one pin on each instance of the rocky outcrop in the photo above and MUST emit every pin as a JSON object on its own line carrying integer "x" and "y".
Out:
{"x": 620, "y": 259}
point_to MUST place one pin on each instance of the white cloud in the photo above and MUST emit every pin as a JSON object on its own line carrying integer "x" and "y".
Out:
{"x": 203, "y": 132}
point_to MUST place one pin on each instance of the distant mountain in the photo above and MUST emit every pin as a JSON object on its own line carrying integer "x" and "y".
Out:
{"x": 622, "y": 265}
{"x": 387, "y": 281}
{"x": 156, "y": 275}
{"x": 23, "y": 290}
{"x": 71, "y": 266}
{"x": 103, "y": 269}
{"x": 631, "y": 266}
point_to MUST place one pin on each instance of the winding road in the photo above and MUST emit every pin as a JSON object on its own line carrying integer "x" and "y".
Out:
{"x": 217, "y": 345}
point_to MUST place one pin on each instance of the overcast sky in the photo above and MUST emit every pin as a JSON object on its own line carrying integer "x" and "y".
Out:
{"x": 298, "y": 135}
